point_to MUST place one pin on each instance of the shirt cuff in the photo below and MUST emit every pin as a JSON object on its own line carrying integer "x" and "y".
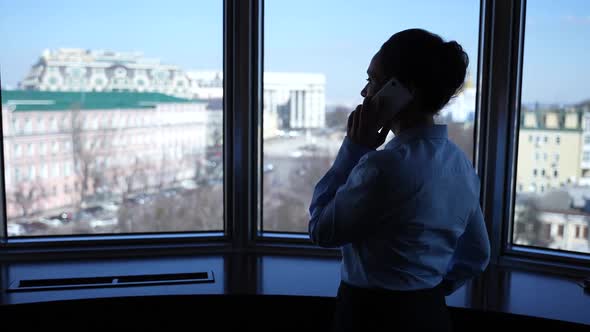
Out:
{"x": 349, "y": 155}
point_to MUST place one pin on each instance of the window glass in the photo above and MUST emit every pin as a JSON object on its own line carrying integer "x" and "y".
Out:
{"x": 70, "y": 66}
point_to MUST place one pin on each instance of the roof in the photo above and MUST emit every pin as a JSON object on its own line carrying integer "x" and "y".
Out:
{"x": 33, "y": 100}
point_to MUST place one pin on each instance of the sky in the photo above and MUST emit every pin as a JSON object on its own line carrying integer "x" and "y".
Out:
{"x": 336, "y": 38}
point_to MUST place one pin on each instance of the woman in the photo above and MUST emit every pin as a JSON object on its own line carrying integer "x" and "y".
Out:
{"x": 407, "y": 217}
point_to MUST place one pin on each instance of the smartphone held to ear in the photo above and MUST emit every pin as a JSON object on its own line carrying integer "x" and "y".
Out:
{"x": 390, "y": 100}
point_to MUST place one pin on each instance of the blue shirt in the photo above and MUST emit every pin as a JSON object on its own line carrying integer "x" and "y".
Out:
{"x": 407, "y": 217}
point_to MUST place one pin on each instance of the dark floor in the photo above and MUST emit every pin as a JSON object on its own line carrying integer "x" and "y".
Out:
{"x": 223, "y": 312}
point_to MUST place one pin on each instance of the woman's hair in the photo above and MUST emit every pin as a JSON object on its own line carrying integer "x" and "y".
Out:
{"x": 425, "y": 62}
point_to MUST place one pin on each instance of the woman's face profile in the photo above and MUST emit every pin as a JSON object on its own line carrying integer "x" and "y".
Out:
{"x": 375, "y": 78}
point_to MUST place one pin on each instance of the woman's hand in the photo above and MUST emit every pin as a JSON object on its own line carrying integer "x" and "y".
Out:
{"x": 362, "y": 126}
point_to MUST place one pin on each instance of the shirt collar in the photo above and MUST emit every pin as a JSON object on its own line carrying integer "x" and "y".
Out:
{"x": 434, "y": 131}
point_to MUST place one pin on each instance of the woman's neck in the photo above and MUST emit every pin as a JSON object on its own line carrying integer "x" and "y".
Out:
{"x": 412, "y": 122}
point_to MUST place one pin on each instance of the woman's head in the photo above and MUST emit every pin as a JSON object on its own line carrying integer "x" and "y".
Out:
{"x": 432, "y": 68}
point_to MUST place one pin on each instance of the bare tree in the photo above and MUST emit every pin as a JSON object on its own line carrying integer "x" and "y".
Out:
{"x": 85, "y": 151}
{"x": 26, "y": 196}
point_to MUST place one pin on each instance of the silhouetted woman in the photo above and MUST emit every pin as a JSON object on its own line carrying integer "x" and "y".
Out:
{"x": 407, "y": 217}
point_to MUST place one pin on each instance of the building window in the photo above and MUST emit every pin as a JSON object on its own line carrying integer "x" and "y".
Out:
{"x": 17, "y": 150}
{"x": 32, "y": 173}
{"x": 40, "y": 125}
{"x": 53, "y": 123}
{"x": 44, "y": 171}
{"x": 556, "y": 156}
{"x": 545, "y": 139}
{"x": 587, "y": 139}
{"x": 560, "y": 230}
{"x": 55, "y": 170}
{"x": 586, "y": 156}
{"x": 30, "y": 149}
{"x": 557, "y": 139}
{"x": 585, "y": 232}
{"x": 534, "y": 172}
{"x": 28, "y": 126}
{"x": 543, "y": 172}
{"x": 578, "y": 231}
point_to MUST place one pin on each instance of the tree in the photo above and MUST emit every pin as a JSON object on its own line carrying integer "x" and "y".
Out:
{"x": 26, "y": 196}
{"x": 528, "y": 228}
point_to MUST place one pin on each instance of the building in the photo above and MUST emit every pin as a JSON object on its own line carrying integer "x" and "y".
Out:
{"x": 550, "y": 149}
{"x": 99, "y": 70}
{"x": 461, "y": 108}
{"x": 62, "y": 147}
{"x": 291, "y": 100}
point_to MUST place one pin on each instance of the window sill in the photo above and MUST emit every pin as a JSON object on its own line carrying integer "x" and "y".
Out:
{"x": 536, "y": 294}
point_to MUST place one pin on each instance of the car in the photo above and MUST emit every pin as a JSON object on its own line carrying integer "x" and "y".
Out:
{"x": 15, "y": 229}
{"x": 268, "y": 168}
{"x": 139, "y": 199}
{"x": 296, "y": 154}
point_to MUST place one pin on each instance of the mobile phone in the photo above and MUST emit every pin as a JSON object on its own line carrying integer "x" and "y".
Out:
{"x": 391, "y": 99}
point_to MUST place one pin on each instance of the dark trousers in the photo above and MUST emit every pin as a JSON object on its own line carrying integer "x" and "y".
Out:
{"x": 360, "y": 309}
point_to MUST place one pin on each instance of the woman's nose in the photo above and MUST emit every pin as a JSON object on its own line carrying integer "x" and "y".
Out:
{"x": 364, "y": 92}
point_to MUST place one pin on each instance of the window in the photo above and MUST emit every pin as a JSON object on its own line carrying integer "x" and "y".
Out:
{"x": 544, "y": 44}
{"x": 32, "y": 173}
{"x": 28, "y": 126}
{"x": 30, "y": 149}
{"x": 40, "y": 125}
{"x": 17, "y": 150}
{"x": 305, "y": 122}
{"x": 44, "y": 171}
{"x": 560, "y": 230}
{"x": 53, "y": 124}
{"x": 55, "y": 170}
{"x": 145, "y": 193}
{"x": 585, "y": 232}
{"x": 530, "y": 138}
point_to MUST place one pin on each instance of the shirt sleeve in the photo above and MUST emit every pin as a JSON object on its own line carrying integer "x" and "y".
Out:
{"x": 472, "y": 253}
{"x": 345, "y": 199}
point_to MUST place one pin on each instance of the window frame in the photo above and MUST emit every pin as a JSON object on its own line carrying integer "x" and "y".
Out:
{"x": 507, "y": 120}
